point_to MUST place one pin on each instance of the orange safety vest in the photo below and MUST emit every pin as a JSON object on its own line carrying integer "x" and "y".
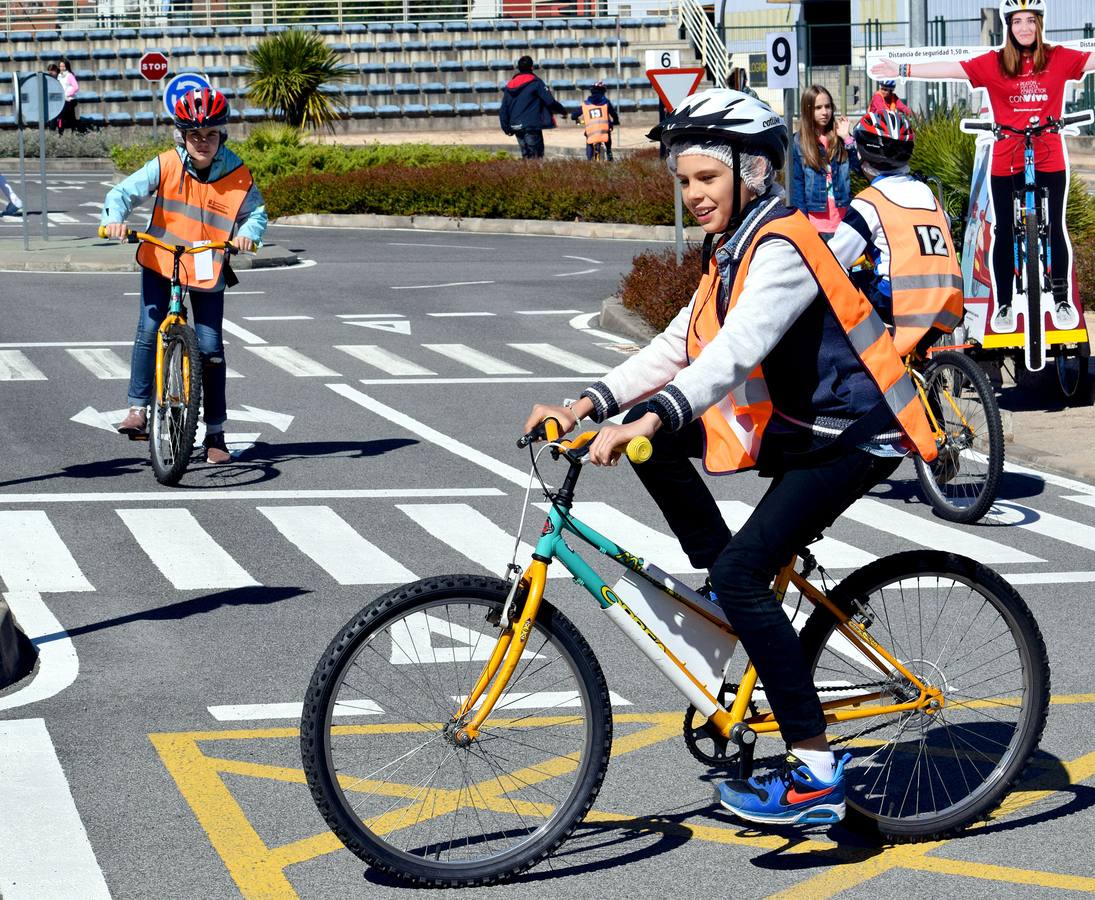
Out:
{"x": 734, "y": 427}
{"x": 598, "y": 127}
{"x": 188, "y": 211}
{"x": 925, "y": 278}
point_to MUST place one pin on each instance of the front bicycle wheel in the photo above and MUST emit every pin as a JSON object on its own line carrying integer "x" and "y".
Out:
{"x": 961, "y": 482}
{"x": 1073, "y": 377}
{"x": 959, "y": 627}
{"x": 1035, "y": 324}
{"x": 380, "y": 753}
{"x": 175, "y": 411}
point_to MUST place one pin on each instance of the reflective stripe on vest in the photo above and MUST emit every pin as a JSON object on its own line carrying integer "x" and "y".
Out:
{"x": 187, "y": 211}
{"x": 925, "y": 279}
{"x": 597, "y": 124}
{"x": 734, "y": 428}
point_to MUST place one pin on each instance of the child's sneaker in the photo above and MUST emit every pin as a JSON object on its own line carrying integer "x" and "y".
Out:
{"x": 11, "y": 210}
{"x": 790, "y": 795}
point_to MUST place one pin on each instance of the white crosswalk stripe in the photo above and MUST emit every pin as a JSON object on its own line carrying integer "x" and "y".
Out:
{"x": 331, "y": 542}
{"x": 15, "y": 366}
{"x": 33, "y": 557}
{"x": 183, "y": 551}
{"x": 564, "y": 358}
{"x": 102, "y": 362}
{"x": 1059, "y": 528}
{"x": 476, "y": 359}
{"x": 294, "y": 362}
{"x": 385, "y": 360}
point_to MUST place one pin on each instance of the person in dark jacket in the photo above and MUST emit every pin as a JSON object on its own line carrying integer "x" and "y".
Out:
{"x": 527, "y": 108}
{"x": 597, "y": 100}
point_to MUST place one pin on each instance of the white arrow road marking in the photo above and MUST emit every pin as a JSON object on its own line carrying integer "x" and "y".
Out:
{"x": 579, "y": 272}
{"x": 398, "y": 326}
{"x": 46, "y": 850}
{"x": 596, "y": 262}
{"x": 107, "y": 421}
{"x": 58, "y": 664}
{"x": 582, "y": 323}
{"x": 237, "y": 442}
{"x": 281, "y": 421}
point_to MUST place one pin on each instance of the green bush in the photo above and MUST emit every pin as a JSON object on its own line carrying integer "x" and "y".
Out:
{"x": 93, "y": 145}
{"x": 657, "y": 288}
{"x": 129, "y": 158}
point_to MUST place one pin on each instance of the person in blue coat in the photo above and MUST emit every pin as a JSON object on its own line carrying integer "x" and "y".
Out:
{"x": 527, "y": 109}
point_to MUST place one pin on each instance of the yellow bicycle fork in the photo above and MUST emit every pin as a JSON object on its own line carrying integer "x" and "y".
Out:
{"x": 161, "y": 336}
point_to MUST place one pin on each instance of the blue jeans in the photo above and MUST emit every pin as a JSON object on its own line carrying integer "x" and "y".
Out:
{"x": 531, "y": 142}
{"x": 207, "y": 310}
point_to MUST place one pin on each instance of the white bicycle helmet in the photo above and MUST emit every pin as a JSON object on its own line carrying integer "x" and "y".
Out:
{"x": 724, "y": 115}
{"x": 1009, "y": 7}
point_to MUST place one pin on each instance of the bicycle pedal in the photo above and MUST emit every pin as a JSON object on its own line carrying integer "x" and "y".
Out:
{"x": 139, "y": 437}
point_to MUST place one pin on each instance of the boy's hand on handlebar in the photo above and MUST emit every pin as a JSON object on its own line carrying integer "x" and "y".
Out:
{"x": 244, "y": 244}
{"x": 116, "y": 230}
{"x": 613, "y": 439}
{"x": 562, "y": 414}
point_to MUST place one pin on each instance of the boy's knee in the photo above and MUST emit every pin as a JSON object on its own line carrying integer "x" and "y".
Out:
{"x": 213, "y": 359}
{"x": 735, "y": 574}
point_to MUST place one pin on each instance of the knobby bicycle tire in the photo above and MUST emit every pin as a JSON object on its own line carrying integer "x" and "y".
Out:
{"x": 174, "y": 414}
{"x": 995, "y": 696}
{"x": 404, "y": 628}
{"x": 961, "y": 483}
{"x": 1035, "y": 318}
{"x": 1073, "y": 378}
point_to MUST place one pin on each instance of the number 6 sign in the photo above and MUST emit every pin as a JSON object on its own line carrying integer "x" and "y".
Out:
{"x": 782, "y": 59}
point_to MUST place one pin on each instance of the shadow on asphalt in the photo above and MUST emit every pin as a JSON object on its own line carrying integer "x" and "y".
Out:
{"x": 1012, "y": 486}
{"x": 184, "y": 609}
{"x": 103, "y": 468}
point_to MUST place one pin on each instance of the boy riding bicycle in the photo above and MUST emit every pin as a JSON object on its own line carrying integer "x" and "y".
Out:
{"x": 777, "y": 363}
{"x": 204, "y": 193}
{"x": 897, "y": 222}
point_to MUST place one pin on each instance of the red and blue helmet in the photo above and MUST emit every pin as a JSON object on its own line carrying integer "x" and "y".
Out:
{"x": 885, "y": 140}
{"x": 201, "y": 108}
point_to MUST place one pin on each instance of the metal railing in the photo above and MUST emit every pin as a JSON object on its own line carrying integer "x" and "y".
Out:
{"x": 701, "y": 33}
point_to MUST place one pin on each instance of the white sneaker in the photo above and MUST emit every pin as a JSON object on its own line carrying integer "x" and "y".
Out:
{"x": 1003, "y": 321}
{"x": 1064, "y": 315}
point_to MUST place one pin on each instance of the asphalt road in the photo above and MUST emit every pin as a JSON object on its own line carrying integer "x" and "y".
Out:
{"x": 380, "y": 388}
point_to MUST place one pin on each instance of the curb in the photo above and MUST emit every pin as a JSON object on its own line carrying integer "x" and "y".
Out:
{"x": 1050, "y": 462}
{"x": 56, "y": 165}
{"x": 618, "y": 319}
{"x": 95, "y": 255}
{"x": 17, "y": 653}
{"x": 607, "y": 230}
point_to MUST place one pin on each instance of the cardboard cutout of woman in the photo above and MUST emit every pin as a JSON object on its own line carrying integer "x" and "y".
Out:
{"x": 1024, "y": 78}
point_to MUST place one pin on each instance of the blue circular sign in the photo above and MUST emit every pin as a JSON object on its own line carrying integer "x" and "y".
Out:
{"x": 180, "y": 85}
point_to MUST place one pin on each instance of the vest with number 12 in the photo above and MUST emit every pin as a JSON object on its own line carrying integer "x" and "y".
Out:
{"x": 188, "y": 211}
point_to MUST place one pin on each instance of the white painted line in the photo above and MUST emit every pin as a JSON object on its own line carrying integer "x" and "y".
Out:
{"x": 483, "y": 362}
{"x": 528, "y": 379}
{"x": 102, "y": 362}
{"x": 15, "y": 366}
{"x": 420, "y": 287}
{"x": 47, "y": 854}
{"x": 382, "y": 359}
{"x": 1068, "y": 531}
{"x": 439, "y": 246}
{"x": 294, "y": 362}
{"x": 579, "y": 272}
{"x": 424, "y": 431}
{"x": 168, "y": 496}
{"x": 471, "y": 533}
{"x": 1085, "y": 499}
{"x": 250, "y": 712}
{"x": 332, "y": 543}
{"x": 26, "y": 344}
{"x": 58, "y": 664}
{"x": 371, "y": 316}
{"x": 229, "y": 372}
{"x": 582, "y": 323}
{"x": 541, "y": 700}
{"x": 830, "y": 552}
{"x": 564, "y": 358}
{"x": 395, "y": 326}
{"x": 34, "y": 558}
{"x": 248, "y": 337}
{"x": 1049, "y": 478}
{"x": 1048, "y": 577}
{"x": 664, "y": 550}
{"x": 460, "y": 315}
{"x": 58, "y": 218}
{"x": 546, "y": 312}
{"x": 596, "y": 262}
{"x": 914, "y": 529}
{"x": 243, "y": 293}
{"x": 277, "y": 318}
{"x": 183, "y": 551}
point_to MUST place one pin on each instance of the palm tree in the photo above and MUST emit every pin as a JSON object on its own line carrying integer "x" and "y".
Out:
{"x": 288, "y": 73}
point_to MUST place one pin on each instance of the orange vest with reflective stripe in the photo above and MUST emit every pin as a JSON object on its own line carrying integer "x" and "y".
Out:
{"x": 188, "y": 211}
{"x": 598, "y": 127}
{"x": 734, "y": 427}
{"x": 925, "y": 278}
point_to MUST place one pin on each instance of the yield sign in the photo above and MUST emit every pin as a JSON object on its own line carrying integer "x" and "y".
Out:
{"x": 673, "y": 85}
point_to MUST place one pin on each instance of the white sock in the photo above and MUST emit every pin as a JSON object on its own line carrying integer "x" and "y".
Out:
{"x": 821, "y": 762}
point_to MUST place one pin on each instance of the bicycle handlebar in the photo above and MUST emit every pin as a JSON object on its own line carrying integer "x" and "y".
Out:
{"x": 135, "y": 237}
{"x": 638, "y": 449}
{"x": 1079, "y": 118}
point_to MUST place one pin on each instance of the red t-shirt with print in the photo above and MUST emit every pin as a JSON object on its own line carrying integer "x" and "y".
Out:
{"x": 1015, "y": 100}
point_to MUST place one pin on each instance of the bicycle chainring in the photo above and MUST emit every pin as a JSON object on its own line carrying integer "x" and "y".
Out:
{"x": 704, "y": 741}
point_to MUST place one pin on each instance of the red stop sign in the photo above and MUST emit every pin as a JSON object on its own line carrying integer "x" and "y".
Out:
{"x": 153, "y": 66}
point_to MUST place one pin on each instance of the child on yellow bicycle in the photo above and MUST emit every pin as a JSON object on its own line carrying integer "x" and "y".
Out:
{"x": 777, "y": 363}
{"x": 203, "y": 192}
{"x": 897, "y": 222}
{"x": 599, "y": 117}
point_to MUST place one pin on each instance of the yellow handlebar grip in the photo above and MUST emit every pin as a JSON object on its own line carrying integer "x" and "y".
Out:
{"x": 639, "y": 449}
{"x": 102, "y": 231}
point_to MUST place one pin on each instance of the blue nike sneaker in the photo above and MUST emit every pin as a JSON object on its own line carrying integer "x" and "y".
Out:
{"x": 790, "y": 795}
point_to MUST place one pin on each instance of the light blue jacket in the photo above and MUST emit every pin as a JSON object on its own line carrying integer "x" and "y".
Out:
{"x": 142, "y": 184}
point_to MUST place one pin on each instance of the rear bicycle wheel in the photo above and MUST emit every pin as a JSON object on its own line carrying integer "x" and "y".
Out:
{"x": 381, "y": 757}
{"x": 1035, "y": 324}
{"x": 174, "y": 413}
{"x": 1073, "y": 377}
{"x": 961, "y": 482}
{"x": 957, "y": 626}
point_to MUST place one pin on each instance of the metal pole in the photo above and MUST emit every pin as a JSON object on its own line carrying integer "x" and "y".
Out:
{"x": 917, "y": 91}
{"x": 23, "y": 178}
{"x": 678, "y": 217}
{"x": 789, "y": 118}
{"x": 42, "y": 149}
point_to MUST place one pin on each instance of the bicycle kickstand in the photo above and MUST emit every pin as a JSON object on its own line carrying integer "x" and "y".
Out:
{"x": 746, "y": 740}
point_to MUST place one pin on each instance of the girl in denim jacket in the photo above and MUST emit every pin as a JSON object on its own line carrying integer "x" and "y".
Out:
{"x": 822, "y": 157}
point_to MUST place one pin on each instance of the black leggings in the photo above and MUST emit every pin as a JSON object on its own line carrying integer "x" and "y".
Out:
{"x": 798, "y": 505}
{"x": 1003, "y": 247}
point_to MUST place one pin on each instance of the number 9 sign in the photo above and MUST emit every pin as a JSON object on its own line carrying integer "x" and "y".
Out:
{"x": 782, "y": 59}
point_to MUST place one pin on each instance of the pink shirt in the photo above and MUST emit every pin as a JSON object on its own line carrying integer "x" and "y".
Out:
{"x": 828, "y": 221}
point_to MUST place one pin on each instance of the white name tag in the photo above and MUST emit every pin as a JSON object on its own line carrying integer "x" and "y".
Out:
{"x": 203, "y": 262}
